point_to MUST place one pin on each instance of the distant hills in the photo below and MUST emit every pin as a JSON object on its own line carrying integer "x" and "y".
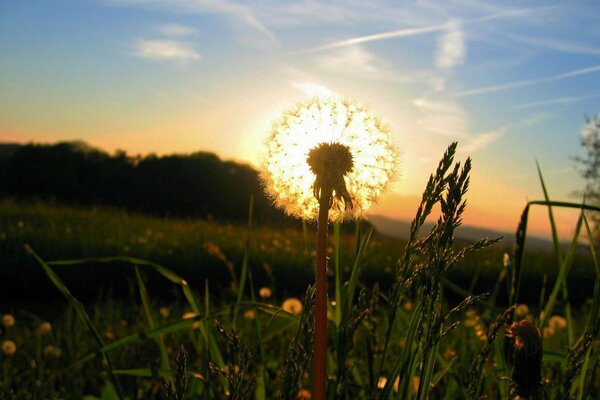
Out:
{"x": 400, "y": 229}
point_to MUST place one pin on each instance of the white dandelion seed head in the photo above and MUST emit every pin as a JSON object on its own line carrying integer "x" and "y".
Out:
{"x": 287, "y": 177}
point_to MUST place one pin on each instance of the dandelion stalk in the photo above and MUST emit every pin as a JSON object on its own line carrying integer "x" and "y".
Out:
{"x": 327, "y": 160}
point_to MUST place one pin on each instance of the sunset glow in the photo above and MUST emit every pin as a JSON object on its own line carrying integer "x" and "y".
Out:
{"x": 511, "y": 81}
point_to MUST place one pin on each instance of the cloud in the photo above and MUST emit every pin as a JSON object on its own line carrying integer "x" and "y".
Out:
{"x": 529, "y": 82}
{"x": 451, "y": 48}
{"x": 353, "y": 60}
{"x": 178, "y": 30}
{"x": 555, "y": 44}
{"x": 169, "y": 50}
{"x": 442, "y": 118}
{"x": 482, "y": 140}
{"x": 243, "y": 18}
{"x": 451, "y": 120}
{"x": 422, "y": 29}
{"x": 314, "y": 89}
{"x": 556, "y": 101}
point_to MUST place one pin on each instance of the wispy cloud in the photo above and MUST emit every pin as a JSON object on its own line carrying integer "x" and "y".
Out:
{"x": 168, "y": 50}
{"x": 251, "y": 30}
{"x": 313, "y": 89}
{"x": 450, "y": 119}
{"x": 442, "y": 118}
{"x": 555, "y": 44}
{"x": 482, "y": 140}
{"x": 557, "y": 101}
{"x": 451, "y": 48}
{"x": 355, "y": 60}
{"x": 421, "y": 30}
{"x": 178, "y": 30}
{"x": 529, "y": 82}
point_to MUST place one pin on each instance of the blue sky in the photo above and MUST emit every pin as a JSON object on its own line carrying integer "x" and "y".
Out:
{"x": 511, "y": 81}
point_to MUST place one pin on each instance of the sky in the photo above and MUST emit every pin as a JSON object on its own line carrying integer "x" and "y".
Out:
{"x": 512, "y": 82}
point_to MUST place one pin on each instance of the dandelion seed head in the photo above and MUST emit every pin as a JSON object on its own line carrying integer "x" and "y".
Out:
{"x": 292, "y": 305}
{"x": 9, "y": 347}
{"x": 369, "y": 163}
{"x": 557, "y": 322}
{"x": 43, "y": 328}
{"x": 265, "y": 292}
{"x": 8, "y": 321}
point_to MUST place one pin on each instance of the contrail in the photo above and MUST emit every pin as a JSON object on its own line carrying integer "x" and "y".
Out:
{"x": 529, "y": 82}
{"x": 417, "y": 31}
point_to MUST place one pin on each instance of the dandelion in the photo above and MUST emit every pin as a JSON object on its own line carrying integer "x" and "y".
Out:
{"x": 43, "y": 328}
{"x": 9, "y": 347}
{"x": 196, "y": 324}
{"x": 327, "y": 159}
{"x": 249, "y": 314}
{"x": 52, "y": 351}
{"x": 292, "y": 305}
{"x": 522, "y": 310}
{"x": 557, "y": 322}
{"x": 347, "y": 148}
{"x": 8, "y": 321}
{"x": 165, "y": 312}
{"x": 265, "y": 292}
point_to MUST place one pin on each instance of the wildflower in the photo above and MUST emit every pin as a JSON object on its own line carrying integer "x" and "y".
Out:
{"x": 265, "y": 292}
{"x": 527, "y": 345}
{"x": 8, "y": 321}
{"x": 165, "y": 312}
{"x": 43, "y": 328}
{"x": 450, "y": 354}
{"x": 522, "y": 310}
{"x": 557, "y": 322}
{"x": 548, "y": 332}
{"x": 196, "y": 324}
{"x": 327, "y": 142}
{"x": 249, "y": 314}
{"x": 292, "y": 305}
{"x": 109, "y": 336}
{"x": 408, "y": 306}
{"x": 52, "y": 351}
{"x": 303, "y": 394}
{"x": 9, "y": 347}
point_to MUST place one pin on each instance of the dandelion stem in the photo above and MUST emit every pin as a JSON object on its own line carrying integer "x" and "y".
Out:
{"x": 320, "y": 356}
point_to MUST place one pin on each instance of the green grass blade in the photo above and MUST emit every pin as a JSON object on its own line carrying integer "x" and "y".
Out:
{"x": 555, "y": 239}
{"x": 245, "y": 261}
{"x": 559, "y": 257}
{"x": 80, "y": 309}
{"x": 404, "y": 364}
{"x": 348, "y": 297}
{"x": 151, "y": 317}
{"x": 427, "y": 371}
{"x": 562, "y": 273}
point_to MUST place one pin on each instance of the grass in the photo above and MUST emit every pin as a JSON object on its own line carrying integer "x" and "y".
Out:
{"x": 408, "y": 339}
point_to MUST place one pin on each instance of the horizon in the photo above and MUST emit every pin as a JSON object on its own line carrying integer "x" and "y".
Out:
{"x": 512, "y": 82}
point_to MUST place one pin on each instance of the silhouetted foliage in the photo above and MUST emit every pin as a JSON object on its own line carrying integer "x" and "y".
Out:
{"x": 590, "y": 166}
{"x": 195, "y": 185}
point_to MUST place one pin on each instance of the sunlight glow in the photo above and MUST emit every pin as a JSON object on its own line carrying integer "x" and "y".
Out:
{"x": 286, "y": 173}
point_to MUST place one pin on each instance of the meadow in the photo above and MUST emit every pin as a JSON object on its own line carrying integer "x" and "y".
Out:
{"x": 100, "y": 303}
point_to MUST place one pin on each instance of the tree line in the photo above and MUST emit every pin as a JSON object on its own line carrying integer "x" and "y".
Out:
{"x": 197, "y": 185}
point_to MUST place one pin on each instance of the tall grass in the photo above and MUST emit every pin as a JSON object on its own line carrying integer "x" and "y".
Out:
{"x": 401, "y": 341}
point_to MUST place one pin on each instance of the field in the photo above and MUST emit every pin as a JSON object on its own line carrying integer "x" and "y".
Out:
{"x": 230, "y": 296}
